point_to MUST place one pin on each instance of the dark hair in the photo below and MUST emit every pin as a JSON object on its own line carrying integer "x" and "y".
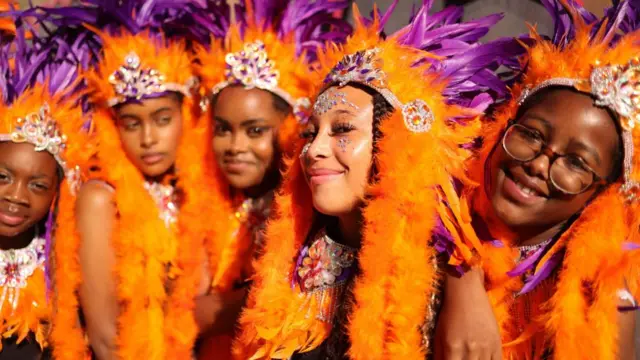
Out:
{"x": 280, "y": 104}
{"x": 618, "y": 156}
{"x": 337, "y": 344}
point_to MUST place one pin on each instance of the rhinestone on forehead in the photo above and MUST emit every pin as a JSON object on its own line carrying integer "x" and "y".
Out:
{"x": 133, "y": 82}
{"x": 252, "y": 67}
{"x": 330, "y": 98}
{"x": 41, "y": 130}
{"x": 362, "y": 67}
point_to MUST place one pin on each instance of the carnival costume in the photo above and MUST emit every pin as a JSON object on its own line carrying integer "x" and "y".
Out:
{"x": 266, "y": 45}
{"x": 292, "y": 304}
{"x": 37, "y": 81}
{"x": 560, "y": 297}
{"x": 159, "y": 227}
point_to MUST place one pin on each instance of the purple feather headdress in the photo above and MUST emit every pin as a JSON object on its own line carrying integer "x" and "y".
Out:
{"x": 468, "y": 67}
{"x": 312, "y": 22}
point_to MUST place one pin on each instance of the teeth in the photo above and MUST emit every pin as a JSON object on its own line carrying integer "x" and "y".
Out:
{"x": 526, "y": 190}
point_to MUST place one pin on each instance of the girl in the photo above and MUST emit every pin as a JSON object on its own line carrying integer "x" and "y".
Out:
{"x": 41, "y": 142}
{"x": 558, "y": 203}
{"x": 131, "y": 258}
{"x": 348, "y": 268}
{"x": 257, "y": 81}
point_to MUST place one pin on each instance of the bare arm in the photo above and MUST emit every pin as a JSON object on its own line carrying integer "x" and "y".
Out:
{"x": 217, "y": 313}
{"x": 627, "y": 325}
{"x": 95, "y": 214}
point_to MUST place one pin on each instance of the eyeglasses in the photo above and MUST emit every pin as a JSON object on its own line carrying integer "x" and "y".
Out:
{"x": 568, "y": 173}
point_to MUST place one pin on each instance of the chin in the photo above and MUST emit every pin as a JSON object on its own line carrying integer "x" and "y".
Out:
{"x": 155, "y": 170}
{"x": 333, "y": 207}
{"x": 11, "y": 232}
{"x": 240, "y": 182}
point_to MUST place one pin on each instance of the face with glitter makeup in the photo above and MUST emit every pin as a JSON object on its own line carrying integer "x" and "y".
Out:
{"x": 337, "y": 158}
{"x": 28, "y": 184}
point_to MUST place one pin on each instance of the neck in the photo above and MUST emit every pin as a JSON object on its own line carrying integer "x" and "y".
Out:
{"x": 349, "y": 227}
{"x": 527, "y": 237}
{"x": 164, "y": 178}
{"x": 17, "y": 242}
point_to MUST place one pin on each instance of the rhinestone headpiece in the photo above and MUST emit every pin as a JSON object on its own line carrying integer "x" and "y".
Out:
{"x": 133, "y": 82}
{"x": 252, "y": 68}
{"x": 41, "y": 130}
{"x": 364, "y": 67}
{"x": 616, "y": 87}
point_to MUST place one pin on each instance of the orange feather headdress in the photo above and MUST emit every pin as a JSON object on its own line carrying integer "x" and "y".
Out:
{"x": 588, "y": 55}
{"x": 7, "y": 25}
{"x": 155, "y": 322}
{"x": 420, "y": 152}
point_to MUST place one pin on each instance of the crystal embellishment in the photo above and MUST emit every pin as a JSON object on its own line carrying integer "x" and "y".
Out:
{"x": 17, "y": 265}
{"x": 417, "y": 116}
{"x": 618, "y": 88}
{"x": 164, "y": 195}
{"x": 41, "y": 130}
{"x": 324, "y": 264}
{"x": 252, "y": 67}
{"x": 133, "y": 82}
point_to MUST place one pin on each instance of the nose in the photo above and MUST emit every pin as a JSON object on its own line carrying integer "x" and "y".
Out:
{"x": 539, "y": 166}
{"x": 239, "y": 143}
{"x": 148, "y": 136}
{"x": 17, "y": 193}
{"x": 320, "y": 147}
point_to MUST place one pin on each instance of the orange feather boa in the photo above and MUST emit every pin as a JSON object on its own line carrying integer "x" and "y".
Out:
{"x": 397, "y": 275}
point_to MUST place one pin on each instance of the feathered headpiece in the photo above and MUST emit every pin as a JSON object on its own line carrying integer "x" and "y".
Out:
{"x": 143, "y": 54}
{"x": 587, "y": 54}
{"x": 37, "y": 79}
{"x": 419, "y": 152}
{"x": 268, "y": 45}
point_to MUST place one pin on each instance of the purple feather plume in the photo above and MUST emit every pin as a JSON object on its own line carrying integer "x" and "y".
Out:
{"x": 311, "y": 22}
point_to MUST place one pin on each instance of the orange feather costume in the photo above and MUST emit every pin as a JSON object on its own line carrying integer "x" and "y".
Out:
{"x": 574, "y": 315}
{"x": 418, "y": 154}
{"x": 257, "y": 52}
{"x": 155, "y": 320}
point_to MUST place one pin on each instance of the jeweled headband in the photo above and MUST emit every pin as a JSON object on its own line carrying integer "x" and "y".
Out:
{"x": 41, "y": 130}
{"x": 363, "y": 67}
{"x": 616, "y": 87}
{"x": 252, "y": 68}
{"x": 133, "y": 82}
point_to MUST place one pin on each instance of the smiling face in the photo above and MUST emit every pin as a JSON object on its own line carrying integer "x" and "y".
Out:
{"x": 246, "y": 123}
{"x": 150, "y": 131}
{"x": 337, "y": 158}
{"x": 521, "y": 193}
{"x": 28, "y": 185}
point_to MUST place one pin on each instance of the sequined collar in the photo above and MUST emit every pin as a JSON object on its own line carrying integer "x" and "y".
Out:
{"x": 323, "y": 264}
{"x": 164, "y": 197}
{"x": 16, "y": 266}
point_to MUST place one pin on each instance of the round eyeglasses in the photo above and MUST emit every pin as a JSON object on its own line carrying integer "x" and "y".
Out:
{"x": 568, "y": 173}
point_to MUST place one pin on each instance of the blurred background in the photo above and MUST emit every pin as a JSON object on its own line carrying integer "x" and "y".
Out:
{"x": 517, "y": 14}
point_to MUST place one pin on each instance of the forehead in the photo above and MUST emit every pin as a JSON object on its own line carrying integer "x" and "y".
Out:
{"x": 22, "y": 158}
{"x": 237, "y": 104}
{"x": 346, "y": 101}
{"x": 148, "y": 106}
{"x": 572, "y": 115}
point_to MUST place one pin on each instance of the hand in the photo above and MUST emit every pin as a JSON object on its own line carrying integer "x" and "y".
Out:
{"x": 217, "y": 313}
{"x": 467, "y": 328}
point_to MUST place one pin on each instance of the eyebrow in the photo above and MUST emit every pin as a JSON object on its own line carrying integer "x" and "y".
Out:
{"x": 545, "y": 123}
{"x": 343, "y": 112}
{"x": 248, "y": 122}
{"x": 156, "y": 112}
{"x": 590, "y": 150}
{"x": 37, "y": 176}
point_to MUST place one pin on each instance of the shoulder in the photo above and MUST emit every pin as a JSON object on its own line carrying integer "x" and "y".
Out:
{"x": 95, "y": 195}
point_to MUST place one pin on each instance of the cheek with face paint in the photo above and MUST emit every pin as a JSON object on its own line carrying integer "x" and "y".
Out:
{"x": 338, "y": 159}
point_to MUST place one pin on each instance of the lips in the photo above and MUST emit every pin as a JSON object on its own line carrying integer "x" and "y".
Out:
{"x": 521, "y": 189}
{"x": 11, "y": 218}
{"x": 152, "y": 158}
{"x": 237, "y": 166}
{"x": 319, "y": 176}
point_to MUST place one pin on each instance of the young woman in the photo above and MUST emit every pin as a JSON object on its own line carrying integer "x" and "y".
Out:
{"x": 131, "y": 260}
{"x": 257, "y": 82}
{"x": 41, "y": 142}
{"x": 557, "y": 202}
{"x": 349, "y": 269}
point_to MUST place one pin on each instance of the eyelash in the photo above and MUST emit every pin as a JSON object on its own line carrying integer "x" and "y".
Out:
{"x": 336, "y": 129}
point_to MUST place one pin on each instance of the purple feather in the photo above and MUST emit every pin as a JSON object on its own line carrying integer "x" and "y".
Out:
{"x": 543, "y": 272}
